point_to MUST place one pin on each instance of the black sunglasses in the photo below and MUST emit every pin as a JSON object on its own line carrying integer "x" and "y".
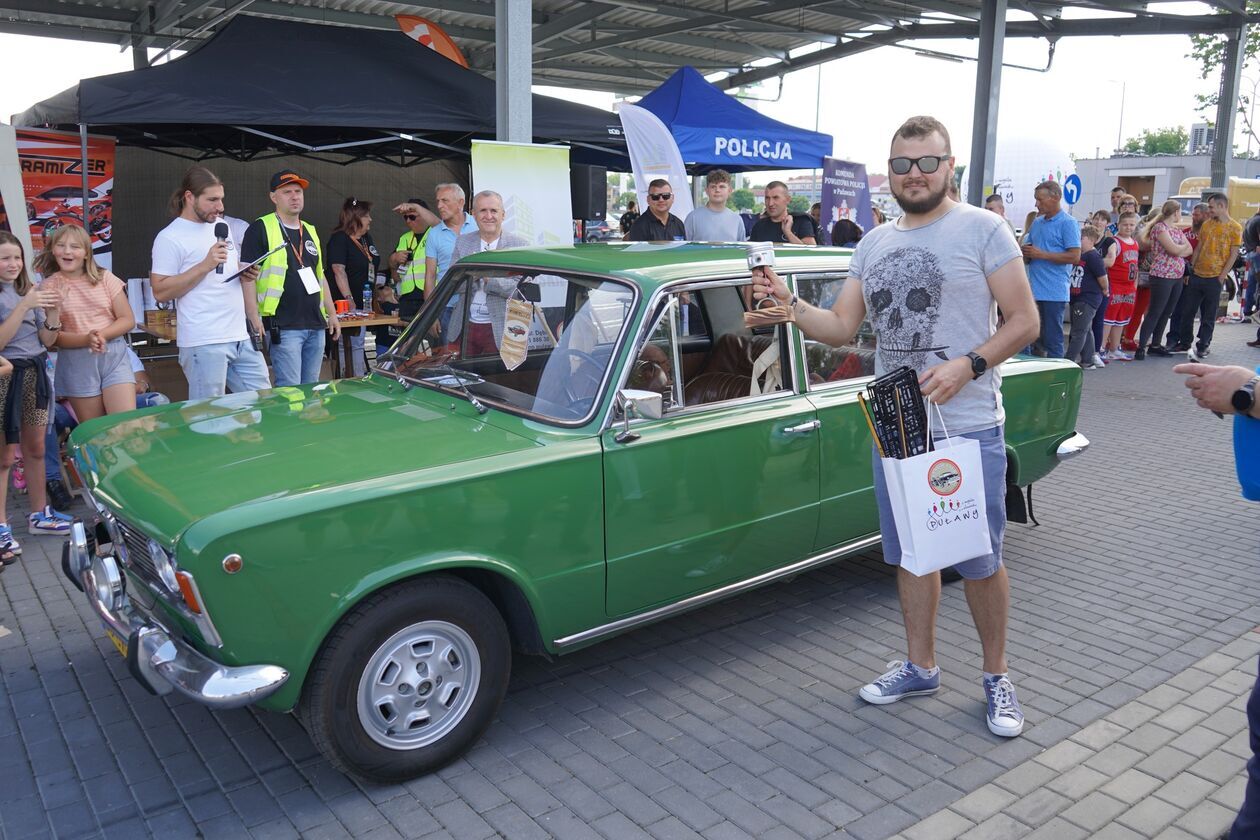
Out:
{"x": 411, "y": 217}
{"x": 927, "y": 164}
{"x": 660, "y": 196}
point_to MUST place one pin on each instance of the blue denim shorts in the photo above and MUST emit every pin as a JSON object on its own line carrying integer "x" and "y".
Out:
{"x": 993, "y": 458}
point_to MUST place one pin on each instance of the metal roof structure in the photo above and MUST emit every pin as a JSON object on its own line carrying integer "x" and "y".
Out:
{"x": 630, "y": 47}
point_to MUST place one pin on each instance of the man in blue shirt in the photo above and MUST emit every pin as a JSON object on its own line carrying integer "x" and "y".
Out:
{"x": 437, "y": 253}
{"x": 440, "y": 241}
{"x": 1054, "y": 247}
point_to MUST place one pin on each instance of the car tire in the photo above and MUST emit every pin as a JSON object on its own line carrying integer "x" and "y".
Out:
{"x": 408, "y": 680}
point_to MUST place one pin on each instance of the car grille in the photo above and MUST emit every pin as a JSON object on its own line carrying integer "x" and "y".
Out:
{"x": 136, "y": 548}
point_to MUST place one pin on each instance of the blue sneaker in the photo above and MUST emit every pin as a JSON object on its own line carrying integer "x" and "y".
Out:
{"x": 58, "y": 515}
{"x": 902, "y": 681}
{"x": 1004, "y": 716}
{"x": 44, "y": 522}
{"x": 7, "y": 541}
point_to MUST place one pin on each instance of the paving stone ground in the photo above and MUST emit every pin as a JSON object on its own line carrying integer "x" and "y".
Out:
{"x": 1133, "y": 643}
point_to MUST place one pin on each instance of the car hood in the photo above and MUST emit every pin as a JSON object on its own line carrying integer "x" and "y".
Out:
{"x": 165, "y": 468}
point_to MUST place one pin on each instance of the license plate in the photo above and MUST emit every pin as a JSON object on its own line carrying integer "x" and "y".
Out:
{"x": 118, "y": 642}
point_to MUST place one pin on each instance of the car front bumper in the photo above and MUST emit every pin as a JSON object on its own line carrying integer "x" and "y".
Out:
{"x": 158, "y": 659}
{"x": 1072, "y": 447}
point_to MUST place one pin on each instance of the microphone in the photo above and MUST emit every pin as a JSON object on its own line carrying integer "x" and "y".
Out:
{"x": 221, "y": 234}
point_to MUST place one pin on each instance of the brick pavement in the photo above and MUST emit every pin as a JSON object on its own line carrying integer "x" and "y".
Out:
{"x": 1131, "y": 644}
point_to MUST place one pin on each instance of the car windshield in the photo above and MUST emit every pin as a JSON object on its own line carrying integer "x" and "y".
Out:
{"x": 534, "y": 342}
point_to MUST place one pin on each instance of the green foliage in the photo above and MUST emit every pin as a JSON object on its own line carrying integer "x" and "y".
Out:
{"x": 1172, "y": 141}
{"x": 625, "y": 198}
{"x": 743, "y": 199}
{"x": 798, "y": 204}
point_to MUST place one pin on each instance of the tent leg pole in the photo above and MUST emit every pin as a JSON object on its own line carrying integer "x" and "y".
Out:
{"x": 988, "y": 82}
{"x": 87, "y": 190}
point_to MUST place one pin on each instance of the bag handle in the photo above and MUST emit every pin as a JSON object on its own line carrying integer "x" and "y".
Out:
{"x": 940, "y": 419}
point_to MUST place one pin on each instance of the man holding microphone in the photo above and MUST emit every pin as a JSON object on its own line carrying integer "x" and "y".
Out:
{"x": 194, "y": 258}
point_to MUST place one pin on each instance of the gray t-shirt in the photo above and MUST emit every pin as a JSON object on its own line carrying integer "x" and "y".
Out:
{"x": 928, "y": 301}
{"x": 25, "y": 344}
{"x": 705, "y": 225}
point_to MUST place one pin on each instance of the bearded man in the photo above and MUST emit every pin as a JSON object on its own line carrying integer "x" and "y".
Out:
{"x": 931, "y": 285}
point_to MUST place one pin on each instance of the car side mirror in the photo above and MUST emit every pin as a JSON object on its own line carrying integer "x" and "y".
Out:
{"x": 648, "y": 405}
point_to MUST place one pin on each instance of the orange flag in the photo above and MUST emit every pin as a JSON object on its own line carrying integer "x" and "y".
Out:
{"x": 432, "y": 36}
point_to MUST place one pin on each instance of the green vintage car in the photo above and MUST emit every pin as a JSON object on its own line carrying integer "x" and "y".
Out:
{"x": 566, "y": 443}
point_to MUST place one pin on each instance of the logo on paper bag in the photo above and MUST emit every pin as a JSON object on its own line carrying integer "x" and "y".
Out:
{"x": 944, "y": 477}
{"x": 950, "y": 511}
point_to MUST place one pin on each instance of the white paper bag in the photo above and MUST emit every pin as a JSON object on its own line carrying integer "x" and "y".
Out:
{"x": 938, "y": 504}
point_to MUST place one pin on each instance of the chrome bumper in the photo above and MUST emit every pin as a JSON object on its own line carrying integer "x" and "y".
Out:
{"x": 159, "y": 661}
{"x": 1072, "y": 447}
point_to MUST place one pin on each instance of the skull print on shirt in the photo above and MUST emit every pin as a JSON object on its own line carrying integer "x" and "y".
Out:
{"x": 903, "y": 304}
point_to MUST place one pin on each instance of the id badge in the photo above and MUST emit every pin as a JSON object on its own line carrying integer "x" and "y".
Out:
{"x": 309, "y": 281}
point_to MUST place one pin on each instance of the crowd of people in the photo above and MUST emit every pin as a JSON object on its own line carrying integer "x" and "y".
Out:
{"x": 1133, "y": 285}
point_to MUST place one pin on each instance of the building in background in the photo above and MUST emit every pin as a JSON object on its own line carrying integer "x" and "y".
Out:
{"x": 1202, "y": 136}
{"x": 1152, "y": 178}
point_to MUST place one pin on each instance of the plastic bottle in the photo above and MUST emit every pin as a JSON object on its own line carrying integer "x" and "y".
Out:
{"x": 367, "y": 297}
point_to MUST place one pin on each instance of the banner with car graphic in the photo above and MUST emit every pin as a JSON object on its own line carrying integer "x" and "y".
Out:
{"x": 52, "y": 180}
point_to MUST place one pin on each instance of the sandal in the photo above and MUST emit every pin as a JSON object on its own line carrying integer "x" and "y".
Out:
{"x": 7, "y": 557}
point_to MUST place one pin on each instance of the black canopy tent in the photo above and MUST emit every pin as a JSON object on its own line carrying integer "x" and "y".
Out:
{"x": 263, "y": 88}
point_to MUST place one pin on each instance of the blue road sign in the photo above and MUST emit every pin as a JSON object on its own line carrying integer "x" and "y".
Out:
{"x": 1072, "y": 188}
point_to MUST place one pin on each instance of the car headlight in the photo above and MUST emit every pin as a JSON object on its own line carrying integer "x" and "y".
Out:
{"x": 164, "y": 566}
{"x": 109, "y": 583}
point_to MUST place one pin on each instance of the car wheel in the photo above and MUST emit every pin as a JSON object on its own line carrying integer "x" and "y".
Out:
{"x": 408, "y": 680}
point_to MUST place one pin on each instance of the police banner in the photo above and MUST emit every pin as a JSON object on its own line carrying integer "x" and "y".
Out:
{"x": 654, "y": 154}
{"x": 846, "y": 194}
{"x": 534, "y": 182}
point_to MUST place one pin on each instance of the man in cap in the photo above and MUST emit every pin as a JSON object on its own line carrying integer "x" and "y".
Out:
{"x": 293, "y": 296}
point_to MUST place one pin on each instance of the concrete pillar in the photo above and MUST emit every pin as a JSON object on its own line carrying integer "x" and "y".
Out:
{"x": 513, "y": 71}
{"x": 1227, "y": 105}
{"x": 988, "y": 85}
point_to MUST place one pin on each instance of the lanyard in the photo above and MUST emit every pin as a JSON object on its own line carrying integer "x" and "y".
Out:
{"x": 366, "y": 253}
{"x": 297, "y": 250}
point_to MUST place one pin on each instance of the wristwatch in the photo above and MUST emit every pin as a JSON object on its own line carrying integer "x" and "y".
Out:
{"x": 1244, "y": 399}
{"x": 979, "y": 364}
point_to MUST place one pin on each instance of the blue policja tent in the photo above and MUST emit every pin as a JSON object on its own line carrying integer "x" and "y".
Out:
{"x": 714, "y": 130}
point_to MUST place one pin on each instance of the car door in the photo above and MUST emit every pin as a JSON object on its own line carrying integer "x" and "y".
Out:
{"x": 835, "y": 376}
{"x": 724, "y": 485}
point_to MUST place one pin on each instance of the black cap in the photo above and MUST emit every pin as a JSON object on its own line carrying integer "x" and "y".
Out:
{"x": 419, "y": 201}
{"x": 288, "y": 176}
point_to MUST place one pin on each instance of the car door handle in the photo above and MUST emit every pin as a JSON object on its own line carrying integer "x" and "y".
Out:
{"x": 803, "y": 428}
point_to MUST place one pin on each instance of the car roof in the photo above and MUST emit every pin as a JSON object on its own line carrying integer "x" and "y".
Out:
{"x": 651, "y": 264}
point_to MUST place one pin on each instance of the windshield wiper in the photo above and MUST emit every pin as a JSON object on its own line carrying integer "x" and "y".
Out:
{"x": 458, "y": 376}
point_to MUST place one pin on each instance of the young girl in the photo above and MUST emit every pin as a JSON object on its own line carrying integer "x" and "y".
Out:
{"x": 28, "y": 326}
{"x": 93, "y": 369}
{"x": 1122, "y": 277}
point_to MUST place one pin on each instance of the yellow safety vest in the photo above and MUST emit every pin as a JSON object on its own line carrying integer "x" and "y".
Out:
{"x": 272, "y": 270}
{"x": 413, "y": 277}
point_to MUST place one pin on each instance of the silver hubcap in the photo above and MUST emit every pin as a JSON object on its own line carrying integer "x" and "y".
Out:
{"x": 419, "y": 685}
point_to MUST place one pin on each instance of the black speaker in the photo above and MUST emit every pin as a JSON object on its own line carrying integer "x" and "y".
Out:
{"x": 589, "y": 188}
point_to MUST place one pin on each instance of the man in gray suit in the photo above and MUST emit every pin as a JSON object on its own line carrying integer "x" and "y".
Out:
{"x": 489, "y": 295}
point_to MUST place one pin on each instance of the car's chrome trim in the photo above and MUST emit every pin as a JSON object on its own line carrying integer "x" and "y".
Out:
{"x": 1072, "y": 447}
{"x": 623, "y": 624}
{"x": 159, "y": 660}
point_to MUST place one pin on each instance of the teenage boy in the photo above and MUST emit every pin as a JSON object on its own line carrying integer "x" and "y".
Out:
{"x": 715, "y": 222}
{"x": 1214, "y": 256}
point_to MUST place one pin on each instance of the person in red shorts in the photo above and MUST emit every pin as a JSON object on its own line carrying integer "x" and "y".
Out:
{"x": 1122, "y": 276}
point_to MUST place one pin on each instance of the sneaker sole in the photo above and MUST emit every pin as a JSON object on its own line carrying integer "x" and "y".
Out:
{"x": 49, "y": 532}
{"x": 881, "y": 700}
{"x": 1005, "y": 731}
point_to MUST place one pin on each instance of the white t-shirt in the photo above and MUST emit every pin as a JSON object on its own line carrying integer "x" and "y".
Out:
{"x": 212, "y": 312}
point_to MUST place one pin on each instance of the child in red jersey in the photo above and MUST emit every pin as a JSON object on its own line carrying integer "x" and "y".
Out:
{"x": 1122, "y": 277}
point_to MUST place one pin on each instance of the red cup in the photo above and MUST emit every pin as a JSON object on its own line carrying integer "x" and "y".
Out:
{"x": 343, "y": 306}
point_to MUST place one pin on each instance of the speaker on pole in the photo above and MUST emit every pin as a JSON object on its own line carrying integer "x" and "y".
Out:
{"x": 589, "y": 188}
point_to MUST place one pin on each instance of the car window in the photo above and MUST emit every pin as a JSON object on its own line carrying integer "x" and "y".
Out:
{"x": 524, "y": 340}
{"x": 824, "y": 363}
{"x": 698, "y": 351}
